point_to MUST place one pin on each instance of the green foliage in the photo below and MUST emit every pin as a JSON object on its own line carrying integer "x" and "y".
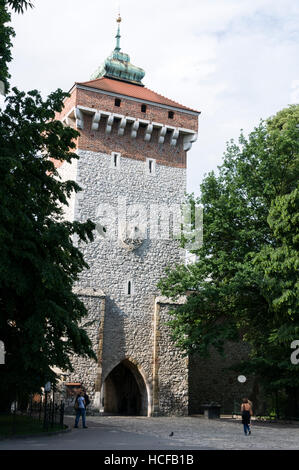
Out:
{"x": 278, "y": 265}
{"x": 19, "y": 6}
{"x": 6, "y": 35}
{"x": 245, "y": 283}
{"x": 39, "y": 314}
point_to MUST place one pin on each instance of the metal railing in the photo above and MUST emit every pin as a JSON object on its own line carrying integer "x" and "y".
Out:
{"x": 49, "y": 413}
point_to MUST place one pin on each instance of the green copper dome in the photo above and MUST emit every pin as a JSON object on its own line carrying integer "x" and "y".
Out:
{"x": 118, "y": 65}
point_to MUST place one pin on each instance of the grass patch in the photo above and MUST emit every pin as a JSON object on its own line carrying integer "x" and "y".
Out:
{"x": 19, "y": 425}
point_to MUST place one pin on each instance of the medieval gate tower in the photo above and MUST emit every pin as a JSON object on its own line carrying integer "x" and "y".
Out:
{"x": 132, "y": 158}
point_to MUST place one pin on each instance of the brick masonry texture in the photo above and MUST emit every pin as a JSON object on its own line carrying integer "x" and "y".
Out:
{"x": 137, "y": 149}
{"x": 99, "y": 141}
{"x": 92, "y": 99}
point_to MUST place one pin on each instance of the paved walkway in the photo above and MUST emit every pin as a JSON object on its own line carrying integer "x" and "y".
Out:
{"x": 189, "y": 433}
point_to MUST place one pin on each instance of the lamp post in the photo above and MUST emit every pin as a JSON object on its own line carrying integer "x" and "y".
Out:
{"x": 47, "y": 390}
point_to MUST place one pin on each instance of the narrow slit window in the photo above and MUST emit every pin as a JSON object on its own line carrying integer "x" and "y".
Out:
{"x": 129, "y": 288}
{"x": 117, "y": 102}
{"x": 115, "y": 160}
{"x": 150, "y": 166}
{"x": 170, "y": 114}
{"x": 143, "y": 108}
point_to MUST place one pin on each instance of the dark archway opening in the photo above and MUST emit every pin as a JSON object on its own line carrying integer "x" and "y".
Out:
{"x": 125, "y": 391}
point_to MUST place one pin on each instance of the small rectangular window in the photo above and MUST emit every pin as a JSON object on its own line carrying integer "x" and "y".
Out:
{"x": 170, "y": 114}
{"x": 143, "y": 108}
{"x": 117, "y": 102}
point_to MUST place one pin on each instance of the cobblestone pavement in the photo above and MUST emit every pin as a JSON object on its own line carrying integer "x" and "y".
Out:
{"x": 198, "y": 432}
{"x": 189, "y": 433}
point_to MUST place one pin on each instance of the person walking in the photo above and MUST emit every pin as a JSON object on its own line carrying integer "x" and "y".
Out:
{"x": 246, "y": 411}
{"x": 251, "y": 413}
{"x": 80, "y": 407}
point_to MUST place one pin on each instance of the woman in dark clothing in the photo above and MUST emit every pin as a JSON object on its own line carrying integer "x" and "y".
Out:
{"x": 246, "y": 411}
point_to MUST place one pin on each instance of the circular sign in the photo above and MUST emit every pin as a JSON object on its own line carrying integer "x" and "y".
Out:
{"x": 242, "y": 379}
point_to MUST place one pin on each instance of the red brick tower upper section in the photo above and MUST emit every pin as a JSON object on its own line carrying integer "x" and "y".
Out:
{"x": 115, "y": 113}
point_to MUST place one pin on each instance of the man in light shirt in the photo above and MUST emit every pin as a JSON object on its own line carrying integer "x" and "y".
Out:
{"x": 80, "y": 406}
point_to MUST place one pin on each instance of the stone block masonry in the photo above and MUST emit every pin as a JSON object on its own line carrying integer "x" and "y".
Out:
{"x": 127, "y": 330}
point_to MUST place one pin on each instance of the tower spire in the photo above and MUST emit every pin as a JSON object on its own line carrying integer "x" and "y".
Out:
{"x": 118, "y": 65}
{"x": 118, "y": 36}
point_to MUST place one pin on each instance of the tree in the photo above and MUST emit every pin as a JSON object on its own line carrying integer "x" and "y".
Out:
{"x": 234, "y": 292}
{"x": 275, "y": 269}
{"x": 39, "y": 314}
{"x": 6, "y": 34}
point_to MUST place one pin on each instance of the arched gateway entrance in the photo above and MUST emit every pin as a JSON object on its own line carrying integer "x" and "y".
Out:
{"x": 125, "y": 391}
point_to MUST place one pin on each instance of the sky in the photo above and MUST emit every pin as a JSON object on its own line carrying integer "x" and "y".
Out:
{"x": 236, "y": 61}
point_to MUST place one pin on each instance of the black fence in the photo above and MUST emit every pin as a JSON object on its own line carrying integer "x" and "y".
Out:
{"x": 47, "y": 412}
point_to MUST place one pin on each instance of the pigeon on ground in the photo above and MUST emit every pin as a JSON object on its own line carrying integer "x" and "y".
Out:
{"x": 171, "y": 434}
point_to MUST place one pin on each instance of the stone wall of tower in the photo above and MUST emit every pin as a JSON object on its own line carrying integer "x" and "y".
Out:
{"x": 129, "y": 323}
{"x": 86, "y": 370}
{"x": 172, "y": 388}
{"x": 129, "y": 319}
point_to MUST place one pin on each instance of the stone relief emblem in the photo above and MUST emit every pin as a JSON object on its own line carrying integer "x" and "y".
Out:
{"x": 127, "y": 225}
{"x": 131, "y": 236}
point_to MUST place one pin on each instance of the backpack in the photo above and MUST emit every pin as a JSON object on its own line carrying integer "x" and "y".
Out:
{"x": 87, "y": 400}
